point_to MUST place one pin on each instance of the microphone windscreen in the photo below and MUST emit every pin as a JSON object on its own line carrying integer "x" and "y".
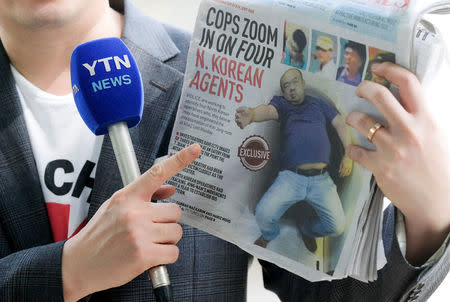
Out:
{"x": 106, "y": 84}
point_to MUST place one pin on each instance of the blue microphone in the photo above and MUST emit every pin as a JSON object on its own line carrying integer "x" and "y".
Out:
{"x": 108, "y": 92}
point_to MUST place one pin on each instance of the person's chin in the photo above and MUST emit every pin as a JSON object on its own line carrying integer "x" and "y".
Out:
{"x": 294, "y": 101}
{"x": 48, "y": 13}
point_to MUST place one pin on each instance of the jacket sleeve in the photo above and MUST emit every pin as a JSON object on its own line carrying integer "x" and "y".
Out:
{"x": 30, "y": 275}
{"x": 432, "y": 273}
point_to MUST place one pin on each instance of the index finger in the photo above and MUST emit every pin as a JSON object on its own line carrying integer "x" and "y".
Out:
{"x": 156, "y": 176}
{"x": 383, "y": 100}
{"x": 410, "y": 88}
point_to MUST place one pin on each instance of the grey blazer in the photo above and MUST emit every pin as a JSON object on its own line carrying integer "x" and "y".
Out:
{"x": 208, "y": 268}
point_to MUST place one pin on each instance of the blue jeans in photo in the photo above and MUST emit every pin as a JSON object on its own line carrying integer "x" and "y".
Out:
{"x": 290, "y": 188}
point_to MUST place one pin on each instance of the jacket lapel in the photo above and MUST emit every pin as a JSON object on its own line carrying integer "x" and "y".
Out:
{"x": 22, "y": 207}
{"x": 162, "y": 89}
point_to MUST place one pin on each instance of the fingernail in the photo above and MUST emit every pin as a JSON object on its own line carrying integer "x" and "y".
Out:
{"x": 194, "y": 149}
{"x": 375, "y": 66}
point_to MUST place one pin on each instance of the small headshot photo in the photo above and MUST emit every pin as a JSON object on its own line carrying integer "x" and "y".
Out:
{"x": 323, "y": 55}
{"x": 295, "y": 50}
{"x": 378, "y": 56}
{"x": 353, "y": 59}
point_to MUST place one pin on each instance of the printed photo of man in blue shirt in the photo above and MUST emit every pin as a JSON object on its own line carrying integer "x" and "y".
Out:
{"x": 305, "y": 152}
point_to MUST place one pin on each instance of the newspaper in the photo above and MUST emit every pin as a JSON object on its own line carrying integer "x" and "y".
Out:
{"x": 267, "y": 88}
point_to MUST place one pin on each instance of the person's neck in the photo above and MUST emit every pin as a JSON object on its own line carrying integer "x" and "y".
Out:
{"x": 351, "y": 75}
{"x": 43, "y": 55}
{"x": 323, "y": 63}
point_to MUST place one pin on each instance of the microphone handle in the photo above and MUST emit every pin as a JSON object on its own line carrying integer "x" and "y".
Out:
{"x": 129, "y": 171}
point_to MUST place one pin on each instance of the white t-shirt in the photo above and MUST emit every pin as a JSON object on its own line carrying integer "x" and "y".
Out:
{"x": 329, "y": 70}
{"x": 66, "y": 153}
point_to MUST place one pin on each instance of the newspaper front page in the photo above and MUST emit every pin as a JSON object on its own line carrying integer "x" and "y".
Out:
{"x": 267, "y": 88}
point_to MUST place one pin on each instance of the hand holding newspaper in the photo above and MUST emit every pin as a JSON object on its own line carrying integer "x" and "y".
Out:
{"x": 267, "y": 89}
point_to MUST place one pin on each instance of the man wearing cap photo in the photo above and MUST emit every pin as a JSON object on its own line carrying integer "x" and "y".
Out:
{"x": 325, "y": 55}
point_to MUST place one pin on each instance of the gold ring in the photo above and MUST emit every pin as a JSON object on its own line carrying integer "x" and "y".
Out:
{"x": 373, "y": 130}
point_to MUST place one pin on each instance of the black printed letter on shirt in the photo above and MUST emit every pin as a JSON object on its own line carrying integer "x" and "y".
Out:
{"x": 84, "y": 179}
{"x": 49, "y": 176}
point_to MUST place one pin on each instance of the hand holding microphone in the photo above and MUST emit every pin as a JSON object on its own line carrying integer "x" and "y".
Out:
{"x": 128, "y": 234}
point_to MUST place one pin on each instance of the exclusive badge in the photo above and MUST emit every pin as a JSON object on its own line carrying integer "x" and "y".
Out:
{"x": 254, "y": 153}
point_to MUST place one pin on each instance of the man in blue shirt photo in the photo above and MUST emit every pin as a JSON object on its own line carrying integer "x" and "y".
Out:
{"x": 305, "y": 153}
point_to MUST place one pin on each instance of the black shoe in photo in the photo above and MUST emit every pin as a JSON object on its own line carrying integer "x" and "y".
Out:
{"x": 309, "y": 242}
{"x": 261, "y": 242}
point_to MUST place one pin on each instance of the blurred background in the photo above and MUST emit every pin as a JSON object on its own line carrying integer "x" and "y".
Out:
{"x": 182, "y": 14}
